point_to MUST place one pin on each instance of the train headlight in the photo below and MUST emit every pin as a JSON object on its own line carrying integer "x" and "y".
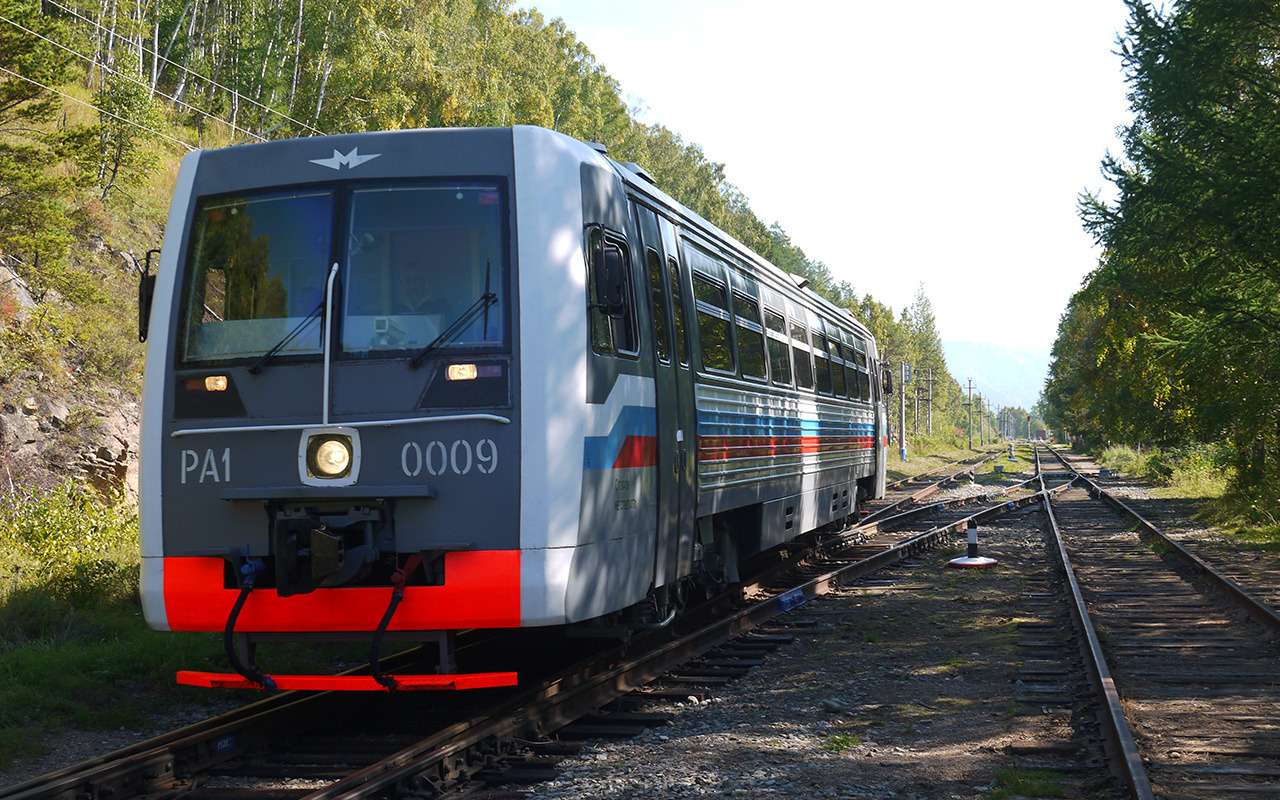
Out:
{"x": 329, "y": 455}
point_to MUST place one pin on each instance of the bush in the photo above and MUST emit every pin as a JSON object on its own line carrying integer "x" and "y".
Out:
{"x": 1123, "y": 458}
{"x": 69, "y": 545}
{"x": 1189, "y": 471}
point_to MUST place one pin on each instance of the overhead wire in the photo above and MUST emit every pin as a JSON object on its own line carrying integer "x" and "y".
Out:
{"x": 99, "y": 109}
{"x": 190, "y": 71}
{"x": 115, "y": 71}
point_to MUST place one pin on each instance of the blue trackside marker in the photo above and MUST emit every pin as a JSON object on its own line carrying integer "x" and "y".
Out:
{"x": 791, "y": 599}
{"x": 224, "y": 745}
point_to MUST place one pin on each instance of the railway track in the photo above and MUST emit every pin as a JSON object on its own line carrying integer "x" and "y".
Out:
{"x": 1256, "y": 571}
{"x": 913, "y": 490}
{"x": 333, "y": 745}
{"x": 1182, "y": 658}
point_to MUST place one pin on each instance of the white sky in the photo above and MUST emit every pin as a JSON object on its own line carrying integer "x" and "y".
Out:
{"x": 932, "y": 142}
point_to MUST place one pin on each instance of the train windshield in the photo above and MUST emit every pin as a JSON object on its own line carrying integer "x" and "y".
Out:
{"x": 257, "y": 272}
{"x": 419, "y": 258}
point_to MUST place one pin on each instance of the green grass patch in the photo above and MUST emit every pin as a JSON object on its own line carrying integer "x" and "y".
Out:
{"x": 1191, "y": 472}
{"x": 1264, "y": 538}
{"x": 75, "y": 652}
{"x": 841, "y": 742}
{"x": 1014, "y": 782}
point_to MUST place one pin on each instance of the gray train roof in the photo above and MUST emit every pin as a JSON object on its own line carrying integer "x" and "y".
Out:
{"x": 640, "y": 180}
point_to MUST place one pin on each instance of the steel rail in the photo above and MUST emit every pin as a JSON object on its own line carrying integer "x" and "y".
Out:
{"x": 1120, "y": 739}
{"x": 923, "y": 493}
{"x": 885, "y": 522}
{"x": 100, "y": 776}
{"x": 1256, "y": 607}
{"x": 562, "y": 701}
{"x": 903, "y": 481}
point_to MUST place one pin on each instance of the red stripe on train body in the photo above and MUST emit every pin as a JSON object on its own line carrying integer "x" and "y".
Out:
{"x": 637, "y": 451}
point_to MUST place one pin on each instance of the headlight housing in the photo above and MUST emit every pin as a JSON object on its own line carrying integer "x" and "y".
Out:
{"x": 329, "y": 456}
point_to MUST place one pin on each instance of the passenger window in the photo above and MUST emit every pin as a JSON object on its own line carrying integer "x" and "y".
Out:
{"x": 800, "y": 351}
{"x": 837, "y": 370}
{"x": 610, "y": 334}
{"x": 750, "y": 336}
{"x": 853, "y": 391}
{"x": 658, "y": 303}
{"x": 821, "y": 366}
{"x": 677, "y": 311}
{"x": 779, "y": 352}
{"x": 864, "y": 375}
{"x": 713, "y": 324}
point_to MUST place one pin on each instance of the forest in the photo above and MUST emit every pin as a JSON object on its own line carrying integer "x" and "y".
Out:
{"x": 97, "y": 99}
{"x": 1174, "y": 338}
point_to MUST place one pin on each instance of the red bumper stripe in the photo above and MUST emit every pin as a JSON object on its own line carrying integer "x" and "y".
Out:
{"x": 351, "y": 683}
{"x": 481, "y": 590}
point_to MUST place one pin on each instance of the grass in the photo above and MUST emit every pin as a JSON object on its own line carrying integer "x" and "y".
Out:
{"x": 1196, "y": 472}
{"x": 840, "y": 742}
{"x": 923, "y": 456}
{"x": 1013, "y": 782}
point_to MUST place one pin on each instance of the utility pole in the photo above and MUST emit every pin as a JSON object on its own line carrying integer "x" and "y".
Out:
{"x": 902, "y": 412}
{"x": 915, "y": 416}
{"x": 1028, "y": 427}
{"x": 969, "y": 411}
{"x": 982, "y": 429}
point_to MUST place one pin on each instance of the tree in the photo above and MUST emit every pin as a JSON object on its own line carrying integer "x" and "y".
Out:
{"x": 1174, "y": 338}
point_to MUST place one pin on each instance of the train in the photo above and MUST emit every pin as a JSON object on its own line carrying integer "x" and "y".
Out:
{"x": 420, "y": 382}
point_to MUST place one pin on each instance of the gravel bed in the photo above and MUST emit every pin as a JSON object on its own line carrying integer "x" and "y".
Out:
{"x": 897, "y": 691}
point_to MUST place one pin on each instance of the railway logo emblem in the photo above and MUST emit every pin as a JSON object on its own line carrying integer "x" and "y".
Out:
{"x": 351, "y": 160}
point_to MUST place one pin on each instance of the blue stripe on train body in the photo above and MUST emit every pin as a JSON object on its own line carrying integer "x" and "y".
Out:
{"x": 730, "y": 423}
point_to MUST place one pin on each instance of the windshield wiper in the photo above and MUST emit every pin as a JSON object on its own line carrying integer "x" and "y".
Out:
{"x": 481, "y": 304}
{"x": 289, "y": 337}
{"x": 456, "y": 327}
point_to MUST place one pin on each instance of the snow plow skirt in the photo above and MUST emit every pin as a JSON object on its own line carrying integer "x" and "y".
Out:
{"x": 350, "y": 683}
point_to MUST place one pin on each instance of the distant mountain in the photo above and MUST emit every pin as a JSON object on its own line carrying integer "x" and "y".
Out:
{"x": 1004, "y": 374}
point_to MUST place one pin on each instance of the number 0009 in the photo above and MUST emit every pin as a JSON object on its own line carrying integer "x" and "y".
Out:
{"x": 459, "y": 457}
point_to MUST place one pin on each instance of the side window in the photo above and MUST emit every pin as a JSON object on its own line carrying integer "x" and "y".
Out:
{"x": 677, "y": 311}
{"x": 800, "y": 350}
{"x": 608, "y": 256}
{"x": 658, "y": 302}
{"x": 712, "y": 302}
{"x": 779, "y": 350}
{"x": 837, "y": 370}
{"x": 750, "y": 336}
{"x": 853, "y": 392}
{"x": 821, "y": 366}
{"x": 864, "y": 375}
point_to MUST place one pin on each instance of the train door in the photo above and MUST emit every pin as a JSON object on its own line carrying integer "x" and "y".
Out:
{"x": 685, "y": 410}
{"x": 669, "y": 350}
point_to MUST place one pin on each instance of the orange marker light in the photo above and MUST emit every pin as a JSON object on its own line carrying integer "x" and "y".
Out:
{"x": 461, "y": 372}
{"x": 215, "y": 383}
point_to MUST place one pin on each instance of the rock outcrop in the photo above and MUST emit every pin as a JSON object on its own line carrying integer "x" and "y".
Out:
{"x": 42, "y": 441}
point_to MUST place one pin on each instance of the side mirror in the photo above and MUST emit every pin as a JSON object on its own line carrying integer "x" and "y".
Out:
{"x": 611, "y": 279}
{"x": 146, "y": 291}
{"x": 886, "y": 381}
